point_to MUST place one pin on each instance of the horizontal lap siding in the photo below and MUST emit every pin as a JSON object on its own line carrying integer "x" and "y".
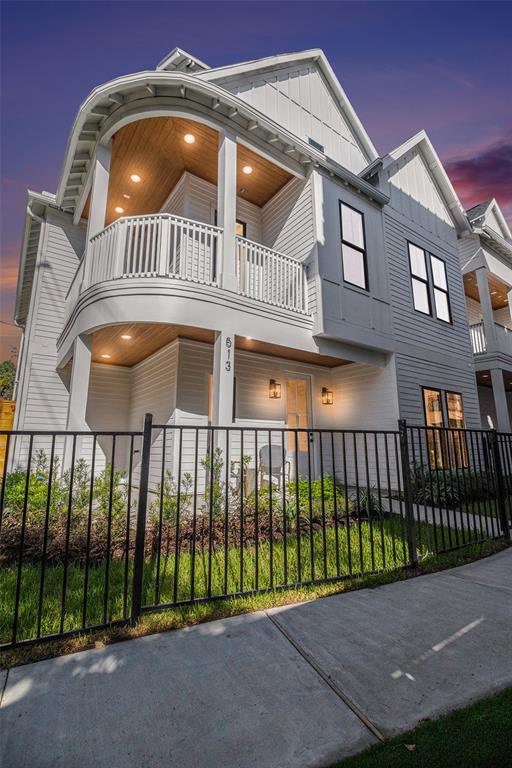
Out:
{"x": 154, "y": 391}
{"x": 288, "y": 227}
{"x": 414, "y": 373}
{"x": 43, "y": 398}
{"x": 412, "y": 327}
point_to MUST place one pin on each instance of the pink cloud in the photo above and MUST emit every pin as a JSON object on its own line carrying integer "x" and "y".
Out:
{"x": 485, "y": 172}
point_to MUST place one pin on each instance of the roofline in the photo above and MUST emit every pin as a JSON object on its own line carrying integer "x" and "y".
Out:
{"x": 44, "y": 200}
{"x": 436, "y": 168}
{"x": 182, "y": 83}
{"x": 314, "y": 54}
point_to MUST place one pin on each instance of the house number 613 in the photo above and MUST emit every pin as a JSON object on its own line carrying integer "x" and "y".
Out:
{"x": 229, "y": 343}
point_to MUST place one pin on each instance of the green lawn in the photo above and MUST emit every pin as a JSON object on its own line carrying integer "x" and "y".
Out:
{"x": 358, "y": 551}
{"x": 479, "y": 736}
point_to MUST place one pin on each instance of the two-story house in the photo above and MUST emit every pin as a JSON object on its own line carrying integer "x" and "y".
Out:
{"x": 486, "y": 262}
{"x": 226, "y": 246}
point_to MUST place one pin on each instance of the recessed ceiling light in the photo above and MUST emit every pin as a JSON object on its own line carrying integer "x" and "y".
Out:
{"x": 107, "y": 357}
{"x": 135, "y": 178}
{"x": 485, "y": 376}
{"x": 126, "y": 197}
{"x": 126, "y": 336}
{"x": 247, "y": 169}
{"x": 118, "y": 209}
{"x": 189, "y": 138}
{"x": 493, "y": 293}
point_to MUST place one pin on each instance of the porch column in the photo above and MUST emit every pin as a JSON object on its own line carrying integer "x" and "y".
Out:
{"x": 509, "y": 297}
{"x": 226, "y": 208}
{"x": 500, "y": 401}
{"x": 486, "y": 307}
{"x": 78, "y": 391}
{"x": 223, "y": 381}
{"x": 99, "y": 191}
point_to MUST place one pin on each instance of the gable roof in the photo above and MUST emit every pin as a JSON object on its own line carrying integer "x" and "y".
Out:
{"x": 316, "y": 55}
{"x": 481, "y": 216}
{"x": 422, "y": 143}
{"x": 181, "y": 61}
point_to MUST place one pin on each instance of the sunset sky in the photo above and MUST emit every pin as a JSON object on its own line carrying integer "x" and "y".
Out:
{"x": 441, "y": 66}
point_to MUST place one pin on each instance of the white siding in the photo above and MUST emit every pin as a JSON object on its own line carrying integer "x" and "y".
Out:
{"x": 502, "y": 316}
{"x": 42, "y": 396}
{"x": 474, "y": 312}
{"x": 287, "y": 218}
{"x": 196, "y": 199}
{"x": 415, "y": 195}
{"x": 108, "y": 408}
{"x": 298, "y": 98}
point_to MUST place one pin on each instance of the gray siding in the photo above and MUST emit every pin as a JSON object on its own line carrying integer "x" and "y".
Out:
{"x": 413, "y": 373}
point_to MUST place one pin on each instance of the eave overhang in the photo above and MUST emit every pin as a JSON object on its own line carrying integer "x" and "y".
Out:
{"x": 147, "y": 93}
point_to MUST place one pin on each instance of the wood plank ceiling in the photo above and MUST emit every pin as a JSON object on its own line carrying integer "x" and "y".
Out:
{"x": 155, "y": 150}
{"x": 498, "y": 290}
{"x": 130, "y": 343}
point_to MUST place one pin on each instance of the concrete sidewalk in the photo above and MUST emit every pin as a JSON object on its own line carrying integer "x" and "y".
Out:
{"x": 298, "y": 686}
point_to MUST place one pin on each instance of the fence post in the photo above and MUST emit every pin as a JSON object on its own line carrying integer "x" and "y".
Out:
{"x": 140, "y": 532}
{"x": 500, "y": 491}
{"x": 406, "y": 479}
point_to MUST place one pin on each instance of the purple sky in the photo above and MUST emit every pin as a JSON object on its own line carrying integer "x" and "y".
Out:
{"x": 441, "y": 66}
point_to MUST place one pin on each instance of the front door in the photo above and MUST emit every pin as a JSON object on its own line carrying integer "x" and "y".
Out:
{"x": 298, "y": 417}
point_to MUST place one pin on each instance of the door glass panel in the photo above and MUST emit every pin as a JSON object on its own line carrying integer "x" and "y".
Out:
{"x": 297, "y": 418}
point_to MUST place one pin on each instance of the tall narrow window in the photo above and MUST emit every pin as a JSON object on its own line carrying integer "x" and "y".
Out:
{"x": 419, "y": 278}
{"x": 429, "y": 284}
{"x": 458, "y": 448}
{"x": 433, "y": 405}
{"x": 440, "y": 283}
{"x": 353, "y": 247}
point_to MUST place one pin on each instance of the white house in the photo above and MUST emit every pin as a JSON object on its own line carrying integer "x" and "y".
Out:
{"x": 223, "y": 236}
{"x": 486, "y": 261}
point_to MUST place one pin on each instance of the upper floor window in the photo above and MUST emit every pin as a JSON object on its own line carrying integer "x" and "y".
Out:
{"x": 353, "y": 247}
{"x": 429, "y": 284}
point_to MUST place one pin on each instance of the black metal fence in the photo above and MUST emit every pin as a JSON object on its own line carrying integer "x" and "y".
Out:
{"x": 98, "y": 528}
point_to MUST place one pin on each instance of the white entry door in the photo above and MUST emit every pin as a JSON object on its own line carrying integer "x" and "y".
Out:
{"x": 298, "y": 407}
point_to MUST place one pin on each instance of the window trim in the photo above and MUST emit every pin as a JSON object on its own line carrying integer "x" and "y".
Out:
{"x": 429, "y": 282}
{"x": 440, "y": 393}
{"x": 362, "y": 251}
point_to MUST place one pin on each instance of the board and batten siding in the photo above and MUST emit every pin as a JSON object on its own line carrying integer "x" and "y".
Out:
{"x": 299, "y": 98}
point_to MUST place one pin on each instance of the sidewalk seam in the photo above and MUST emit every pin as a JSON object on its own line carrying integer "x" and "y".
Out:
{"x": 327, "y": 679}
{"x": 499, "y": 587}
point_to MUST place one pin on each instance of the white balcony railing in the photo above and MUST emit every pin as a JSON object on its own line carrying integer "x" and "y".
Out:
{"x": 477, "y": 335}
{"x": 162, "y": 245}
{"x": 153, "y": 246}
{"x": 502, "y": 342}
{"x": 270, "y": 276}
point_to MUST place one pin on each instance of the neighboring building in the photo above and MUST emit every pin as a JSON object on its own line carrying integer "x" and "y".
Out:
{"x": 218, "y": 232}
{"x": 486, "y": 261}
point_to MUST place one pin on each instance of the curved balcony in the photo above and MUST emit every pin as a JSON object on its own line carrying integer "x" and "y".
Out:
{"x": 167, "y": 246}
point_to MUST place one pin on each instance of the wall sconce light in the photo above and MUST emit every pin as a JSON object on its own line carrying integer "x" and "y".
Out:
{"x": 274, "y": 389}
{"x": 327, "y": 396}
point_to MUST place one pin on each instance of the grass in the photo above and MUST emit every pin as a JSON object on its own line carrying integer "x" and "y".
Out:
{"x": 479, "y": 736}
{"x": 187, "y": 615}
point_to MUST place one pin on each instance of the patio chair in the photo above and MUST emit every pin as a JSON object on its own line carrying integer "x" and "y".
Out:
{"x": 271, "y": 465}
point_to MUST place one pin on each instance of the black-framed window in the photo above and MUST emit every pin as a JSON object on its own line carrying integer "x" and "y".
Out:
{"x": 353, "y": 246}
{"x": 429, "y": 284}
{"x": 456, "y": 422}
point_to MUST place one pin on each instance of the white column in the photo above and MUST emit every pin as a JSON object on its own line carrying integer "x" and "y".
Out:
{"x": 78, "y": 392}
{"x": 223, "y": 373}
{"x": 226, "y": 208}
{"x": 500, "y": 401}
{"x": 509, "y": 297}
{"x": 486, "y": 306}
{"x": 99, "y": 191}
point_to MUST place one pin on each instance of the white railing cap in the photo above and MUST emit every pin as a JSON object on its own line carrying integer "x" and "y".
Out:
{"x": 157, "y": 216}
